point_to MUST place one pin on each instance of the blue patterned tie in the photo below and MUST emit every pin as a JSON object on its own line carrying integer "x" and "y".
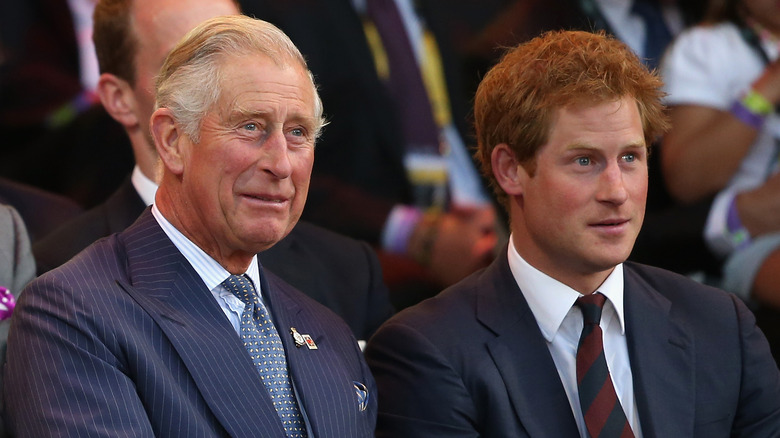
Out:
{"x": 262, "y": 342}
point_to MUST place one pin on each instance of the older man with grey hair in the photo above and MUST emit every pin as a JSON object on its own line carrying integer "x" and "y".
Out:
{"x": 172, "y": 328}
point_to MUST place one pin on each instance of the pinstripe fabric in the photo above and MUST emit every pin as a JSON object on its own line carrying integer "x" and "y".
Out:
{"x": 126, "y": 341}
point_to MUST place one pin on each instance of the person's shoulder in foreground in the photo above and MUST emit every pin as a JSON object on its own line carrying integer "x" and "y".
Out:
{"x": 560, "y": 337}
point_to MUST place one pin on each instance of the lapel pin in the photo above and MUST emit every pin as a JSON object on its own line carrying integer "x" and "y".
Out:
{"x": 302, "y": 339}
{"x": 297, "y": 337}
{"x": 310, "y": 342}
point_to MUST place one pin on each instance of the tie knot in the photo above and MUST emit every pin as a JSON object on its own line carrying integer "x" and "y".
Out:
{"x": 591, "y": 306}
{"x": 241, "y": 287}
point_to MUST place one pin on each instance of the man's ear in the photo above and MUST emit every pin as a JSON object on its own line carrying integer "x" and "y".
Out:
{"x": 168, "y": 140}
{"x": 510, "y": 174}
{"x": 118, "y": 99}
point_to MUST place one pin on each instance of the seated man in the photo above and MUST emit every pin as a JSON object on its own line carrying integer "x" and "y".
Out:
{"x": 522, "y": 348}
{"x": 172, "y": 328}
{"x": 341, "y": 273}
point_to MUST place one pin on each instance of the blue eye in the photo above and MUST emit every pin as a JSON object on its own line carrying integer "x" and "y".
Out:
{"x": 250, "y": 127}
{"x": 630, "y": 157}
{"x": 298, "y": 132}
{"x": 583, "y": 161}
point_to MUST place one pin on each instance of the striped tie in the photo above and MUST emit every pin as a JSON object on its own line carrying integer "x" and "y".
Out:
{"x": 601, "y": 408}
{"x": 262, "y": 342}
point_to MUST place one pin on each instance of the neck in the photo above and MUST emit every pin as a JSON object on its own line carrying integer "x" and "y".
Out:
{"x": 234, "y": 261}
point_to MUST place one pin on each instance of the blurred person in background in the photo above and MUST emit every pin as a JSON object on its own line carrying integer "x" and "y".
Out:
{"x": 723, "y": 83}
{"x": 393, "y": 165}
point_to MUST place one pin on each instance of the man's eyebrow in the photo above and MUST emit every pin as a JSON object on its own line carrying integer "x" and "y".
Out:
{"x": 238, "y": 114}
{"x": 639, "y": 144}
{"x": 305, "y": 120}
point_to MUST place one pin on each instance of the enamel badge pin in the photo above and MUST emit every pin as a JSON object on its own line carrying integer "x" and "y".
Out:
{"x": 302, "y": 339}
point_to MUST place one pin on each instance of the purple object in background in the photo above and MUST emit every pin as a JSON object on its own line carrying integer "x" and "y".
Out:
{"x": 7, "y": 303}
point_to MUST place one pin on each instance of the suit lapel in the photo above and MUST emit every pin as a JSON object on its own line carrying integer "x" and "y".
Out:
{"x": 168, "y": 288}
{"x": 662, "y": 362}
{"x": 523, "y": 358}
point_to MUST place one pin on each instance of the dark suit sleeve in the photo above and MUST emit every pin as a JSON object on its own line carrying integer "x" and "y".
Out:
{"x": 758, "y": 413}
{"x": 63, "y": 376}
{"x": 378, "y": 306}
{"x": 420, "y": 394}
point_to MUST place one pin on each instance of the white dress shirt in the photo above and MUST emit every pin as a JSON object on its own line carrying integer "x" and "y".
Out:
{"x": 145, "y": 187}
{"x": 560, "y": 322}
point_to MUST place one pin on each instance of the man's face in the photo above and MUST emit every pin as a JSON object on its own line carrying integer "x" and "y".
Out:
{"x": 582, "y": 209}
{"x": 159, "y": 25}
{"x": 245, "y": 184}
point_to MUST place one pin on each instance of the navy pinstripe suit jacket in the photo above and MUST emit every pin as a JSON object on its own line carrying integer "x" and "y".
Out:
{"x": 125, "y": 340}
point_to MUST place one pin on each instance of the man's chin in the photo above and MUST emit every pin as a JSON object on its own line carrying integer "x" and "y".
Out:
{"x": 263, "y": 239}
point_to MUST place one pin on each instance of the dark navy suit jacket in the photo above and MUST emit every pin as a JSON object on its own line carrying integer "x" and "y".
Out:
{"x": 125, "y": 340}
{"x": 472, "y": 362}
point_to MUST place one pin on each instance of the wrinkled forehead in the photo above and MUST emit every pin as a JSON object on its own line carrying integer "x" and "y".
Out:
{"x": 258, "y": 84}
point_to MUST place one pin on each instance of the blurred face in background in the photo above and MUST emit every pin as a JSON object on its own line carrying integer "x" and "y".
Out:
{"x": 159, "y": 25}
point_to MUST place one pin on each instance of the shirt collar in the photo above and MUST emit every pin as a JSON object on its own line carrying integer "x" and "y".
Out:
{"x": 550, "y": 300}
{"x": 209, "y": 270}
{"x": 145, "y": 187}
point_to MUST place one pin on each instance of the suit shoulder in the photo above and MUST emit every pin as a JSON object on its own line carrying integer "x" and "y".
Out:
{"x": 70, "y": 238}
{"x": 662, "y": 278}
{"x": 685, "y": 292}
{"x": 97, "y": 264}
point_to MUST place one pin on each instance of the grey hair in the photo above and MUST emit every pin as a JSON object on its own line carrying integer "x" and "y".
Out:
{"x": 189, "y": 80}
